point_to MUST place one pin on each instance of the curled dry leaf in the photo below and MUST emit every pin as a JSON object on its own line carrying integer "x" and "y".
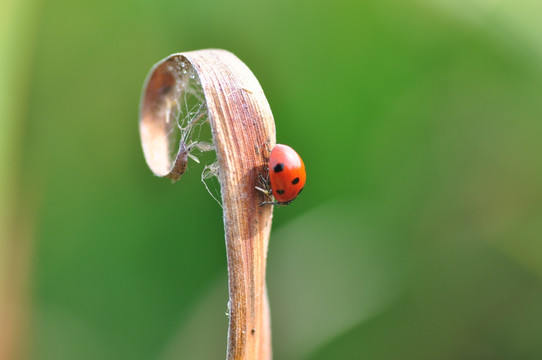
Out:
{"x": 241, "y": 125}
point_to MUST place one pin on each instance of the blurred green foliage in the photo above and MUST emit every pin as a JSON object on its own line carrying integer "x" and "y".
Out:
{"x": 418, "y": 235}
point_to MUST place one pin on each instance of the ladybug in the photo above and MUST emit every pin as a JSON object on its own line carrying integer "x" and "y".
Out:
{"x": 286, "y": 176}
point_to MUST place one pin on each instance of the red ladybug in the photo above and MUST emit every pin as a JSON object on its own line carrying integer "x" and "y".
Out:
{"x": 286, "y": 175}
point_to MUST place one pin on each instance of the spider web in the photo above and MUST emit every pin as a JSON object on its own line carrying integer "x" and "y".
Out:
{"x": 187, "y": 121}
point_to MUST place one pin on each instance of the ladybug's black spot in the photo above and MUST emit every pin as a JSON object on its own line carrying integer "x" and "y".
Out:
{"x": 279, "y": 167}
{"x": 280, "y": 192}
{"x": 295, "y": 181}
{"x": 299, "y": 192}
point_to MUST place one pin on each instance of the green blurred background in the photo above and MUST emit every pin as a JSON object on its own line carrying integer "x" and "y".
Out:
{"x": 419, "y": 233}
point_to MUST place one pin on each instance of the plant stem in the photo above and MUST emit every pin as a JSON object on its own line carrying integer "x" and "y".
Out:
{"x": 242, "y": 124}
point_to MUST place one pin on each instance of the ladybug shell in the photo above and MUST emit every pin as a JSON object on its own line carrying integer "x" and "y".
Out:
{"x": 286, "y": 173}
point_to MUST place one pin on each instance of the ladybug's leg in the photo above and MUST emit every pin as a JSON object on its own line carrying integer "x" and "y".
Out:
{"x": 265, "y": 183}
{"x": 269, "y": 203}
{"x": 266, "y": 189}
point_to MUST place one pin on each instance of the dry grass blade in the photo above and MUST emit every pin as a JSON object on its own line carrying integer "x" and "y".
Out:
{"x": 241, "y": 124}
